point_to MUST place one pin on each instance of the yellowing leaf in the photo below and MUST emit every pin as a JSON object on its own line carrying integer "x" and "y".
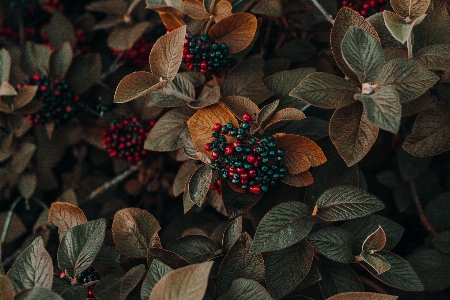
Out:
{"x": 202, "y": 122}
{"x": 236, "y": 31}
{"x": 300, "y": 153}
{"x": 222, "y": 10}
{"x": 65, "y": 216}
{"x": 189, "y": 282}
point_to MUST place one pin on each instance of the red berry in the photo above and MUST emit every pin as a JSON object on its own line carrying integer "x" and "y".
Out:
{"x": 372, "y": 3}
{"x": 203, "y": 65}
{"x": 91, "y": 292}
{"x": 344, "y": 2}
{"x": 214, "y": 187}
{"x": 217, "y": 127}
{"x": 244, "y": 181}
{"x": 366, "y": 5}
{"x": 43, "y": 88}
{"x": 218, "y": 182}
{"x": 204, "y": 71}
{"x": 229, "y": 150}
{"x": 255, "y": 189}
{"x": 252, "y": 173}
{"x": 240, "y": 170}
{"x": 36, "y": 77}
{"x": 215, "y": 155}
{"x": 237, "y": 143}
{"x": 244, "y": 176}
{"x": 251, "y": 158}
{"x": 208, "y": 147}
{"x": 363, "y": 12}
{"x": 246, "y": 117}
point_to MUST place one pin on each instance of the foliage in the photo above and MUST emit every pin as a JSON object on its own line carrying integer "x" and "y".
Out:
{"x": 266, "y": 154}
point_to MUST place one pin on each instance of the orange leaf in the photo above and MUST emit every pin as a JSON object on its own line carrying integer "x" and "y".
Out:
{"x": 170, "y": 21}
{"x": 222, "y": 10}
{"x": 300, "y": 153}
{"x": 65, "y": 216}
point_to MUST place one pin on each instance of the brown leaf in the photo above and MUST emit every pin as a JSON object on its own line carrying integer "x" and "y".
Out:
{"x": 166, "y": 54}
{"x": 135, "y": 85}
{"x": 236, "y": 31}
{"x": 171, "y": 21}
{"x": 6, "y": 288}
{"x": 300, "y": 153}
{"x": 123, "y": 37}
{"x": 287, "y": 114}
{"x": 240, "y": 105}
{"x": 195, "y": 9}
{"x": 299, "y": 180}
{"x": 375, "y": 241}
{"x": 6, "y": 89}
{"x": 181, "y": 179}
{"x": 24, "y": 96}
{"x": 202, "y": 122}
{"x": 346, "y": 18}
{"x": 430, "y": 135}
{"x": 352, "y": 133}
{"x": 65, "y": 216}
{"x": 222, "y": 10}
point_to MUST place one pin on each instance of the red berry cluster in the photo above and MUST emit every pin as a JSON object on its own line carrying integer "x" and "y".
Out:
{"x": 251, "y": 164}
{"x": 125, "y": 139}
{"x": 59, "y": 103}
{"x": 365, "y": 7}
{"x": 9, "y": 34}
{"x": 138, "y": 54}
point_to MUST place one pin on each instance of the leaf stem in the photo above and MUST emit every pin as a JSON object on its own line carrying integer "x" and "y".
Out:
{"x": 423, "y": 218}
{"x": 409, "y": 46}
{"x": 306, "y": 107}
{"x": 323, "y": 11}
{"x": 109, "y": 184}
{"x": 172, "y": 92}
{"x": 7, "y": 222}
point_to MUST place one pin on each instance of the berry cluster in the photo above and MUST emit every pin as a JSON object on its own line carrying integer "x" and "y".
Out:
{"x": 138, "y": 54}
{"x": 9, "y": 34}
{"x": 365, "y": 7}
{"x": 201, "y": 55}
{"x": 88, "y": 275}
{"x": 125, "y": 139}
{"x": 59, "y": 103}
{"x": 250, "y": 163}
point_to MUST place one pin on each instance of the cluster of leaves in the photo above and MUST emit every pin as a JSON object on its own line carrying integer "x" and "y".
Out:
{"x": 313, "y": 235}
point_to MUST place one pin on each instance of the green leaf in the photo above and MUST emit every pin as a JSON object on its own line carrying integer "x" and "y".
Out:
{"x": 84, "y": 72}
{"x": 386, "y": 38}
{"x": 133, "y": 230}
{"x": 167, "y": 257}
{"x": 442, "y": 242}
{"x": 334, "y": 243}
{"x": 383, "y": 108}
{"x": 408, "y": 76}
{"x": 438, "y": 211}
{"x": 337, "y": 278}
{"x": 60, "y": 60}
{"x": 27, "y": 185}
{"x": 362, "y": 296}
{"x": 208, "y": 96}
{"x": 363, "y": 54}
{"x": 433, "y": 29}
{"x": 345, "y": 19}
{"x": 376, "y": 261}
{"x": 284, "y": 225}
{"x": 113, "y": 288}
{"x": 170, "y": 131}
{"x": 136, "y": 85}
{"x": 232, "y": 232}
{"x": 199, "y": 184}
{"x": 240, "y": 263}
{"x": 62, "y": 287}
{"x": 346, "y": 202}
{"x": 246, "y": 289}
{"x": 6, "y": 288}
{"x": 33, "y": 268}
{"x": 194, "y": 248}
{"x": 267, "y": 111}
{"x": 179, "y": 92}
{"x": 38, "y": 293}
{"x": 165, "y": 57}
{"x": 401, "y": 275}
{"x": 35, "y": 59}
{"x": 397, "y": 26}
{"x": 434, "y": 57}
{"x": 246, "y": 80}
{"x": 411, "y": 166}
{"x": 80, "y": 245}
{"x": 123, "y": 37}
{"x": 155, "y": 272}
{"x": 286, "y": 268}
{"x": 282, "y": 83}
{"x": 430, "y": 133}
{"x": 361, "y": 228}
{"x": 237, "y": 203}
{"x": 311, "y": 278}
{"x": 410, "y": 8}
{"x": 60, "y": 30}
{"x": 325, "y": 90}
{"x": 433, "y": 269}
{"x": 185, "y": 283}
{"x": 5, "y": 65}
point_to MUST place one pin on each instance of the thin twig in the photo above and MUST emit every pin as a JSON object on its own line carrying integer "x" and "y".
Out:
{"x": 373, "y": 285}
{"x": 323, "y": 11}
{"x": 306, "y": 107}
{"x": 423, "y": 218}
{"x": 114, "y": 181}
{"x": 7, "y": 222}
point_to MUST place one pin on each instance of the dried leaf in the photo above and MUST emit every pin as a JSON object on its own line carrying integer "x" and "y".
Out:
{"x": 65, "y": 216}
{"x": 135, "y": 85}
{"x": 222, "y": 10}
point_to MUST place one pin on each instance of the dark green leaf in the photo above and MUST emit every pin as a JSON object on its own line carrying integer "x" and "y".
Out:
{"x": 246, "y": 289}
{"x": 337, "y": 278}
{"x": 284, "y": 225}
{"x": 415, "y": 106}
{"x": 5, "y": 65}
{"x": 325, "y": 90}
{"x": 194, "y": 248}
{"x": 345, "y": 203}
{"x": 170, "y": 131}
{"x": 118, "y": 7}
{"x": 311, "y": 278}
{"x": 169, "y": 258}
{"x": 199, "y": 184}
{"x": 433, "y": 269}
{"x": 267, "y": 111}
{"x": 180, "y": 92}
{"x": 442, "y": 242}
{"x": 60, "y": 60}
{"x": 237, "y": 203}
{"x": 271, "y": 8}
{"x": 84, "y": 72}
{"x": 377, "y": 21}
{"x": 208, "y": 96}
{"x": 112, "y": 288}
{"x": 435, "y": 57}
{"x": 63, "y": 287}
{"x": 401, "y": 275}
{"x": 286, "y": 268}
{"x": 240, "y": 263}
{"x": 335, "y": 243}
{"x": 438, "y": 211}
{"x": 38, "y": 293}
{"x": 363, "y": 54}
{"x": 310, "y": 127}
{"x": 33, "y": 268}
{"x": 411, "y": 166}
{"x": 232, "y": 232}
{"x": 433, "y": 29}
{"x": 156, "y": 271}
{"x": 80, "y": 245}
{"x": 35, "y": 59}
{"x": 60, "y": 30}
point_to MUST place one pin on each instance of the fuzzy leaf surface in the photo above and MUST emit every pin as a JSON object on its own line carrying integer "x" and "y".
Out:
{"x": 333, "y": 242}
{"x": 155, "y": 272}
{"x": 194, "y": 248}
